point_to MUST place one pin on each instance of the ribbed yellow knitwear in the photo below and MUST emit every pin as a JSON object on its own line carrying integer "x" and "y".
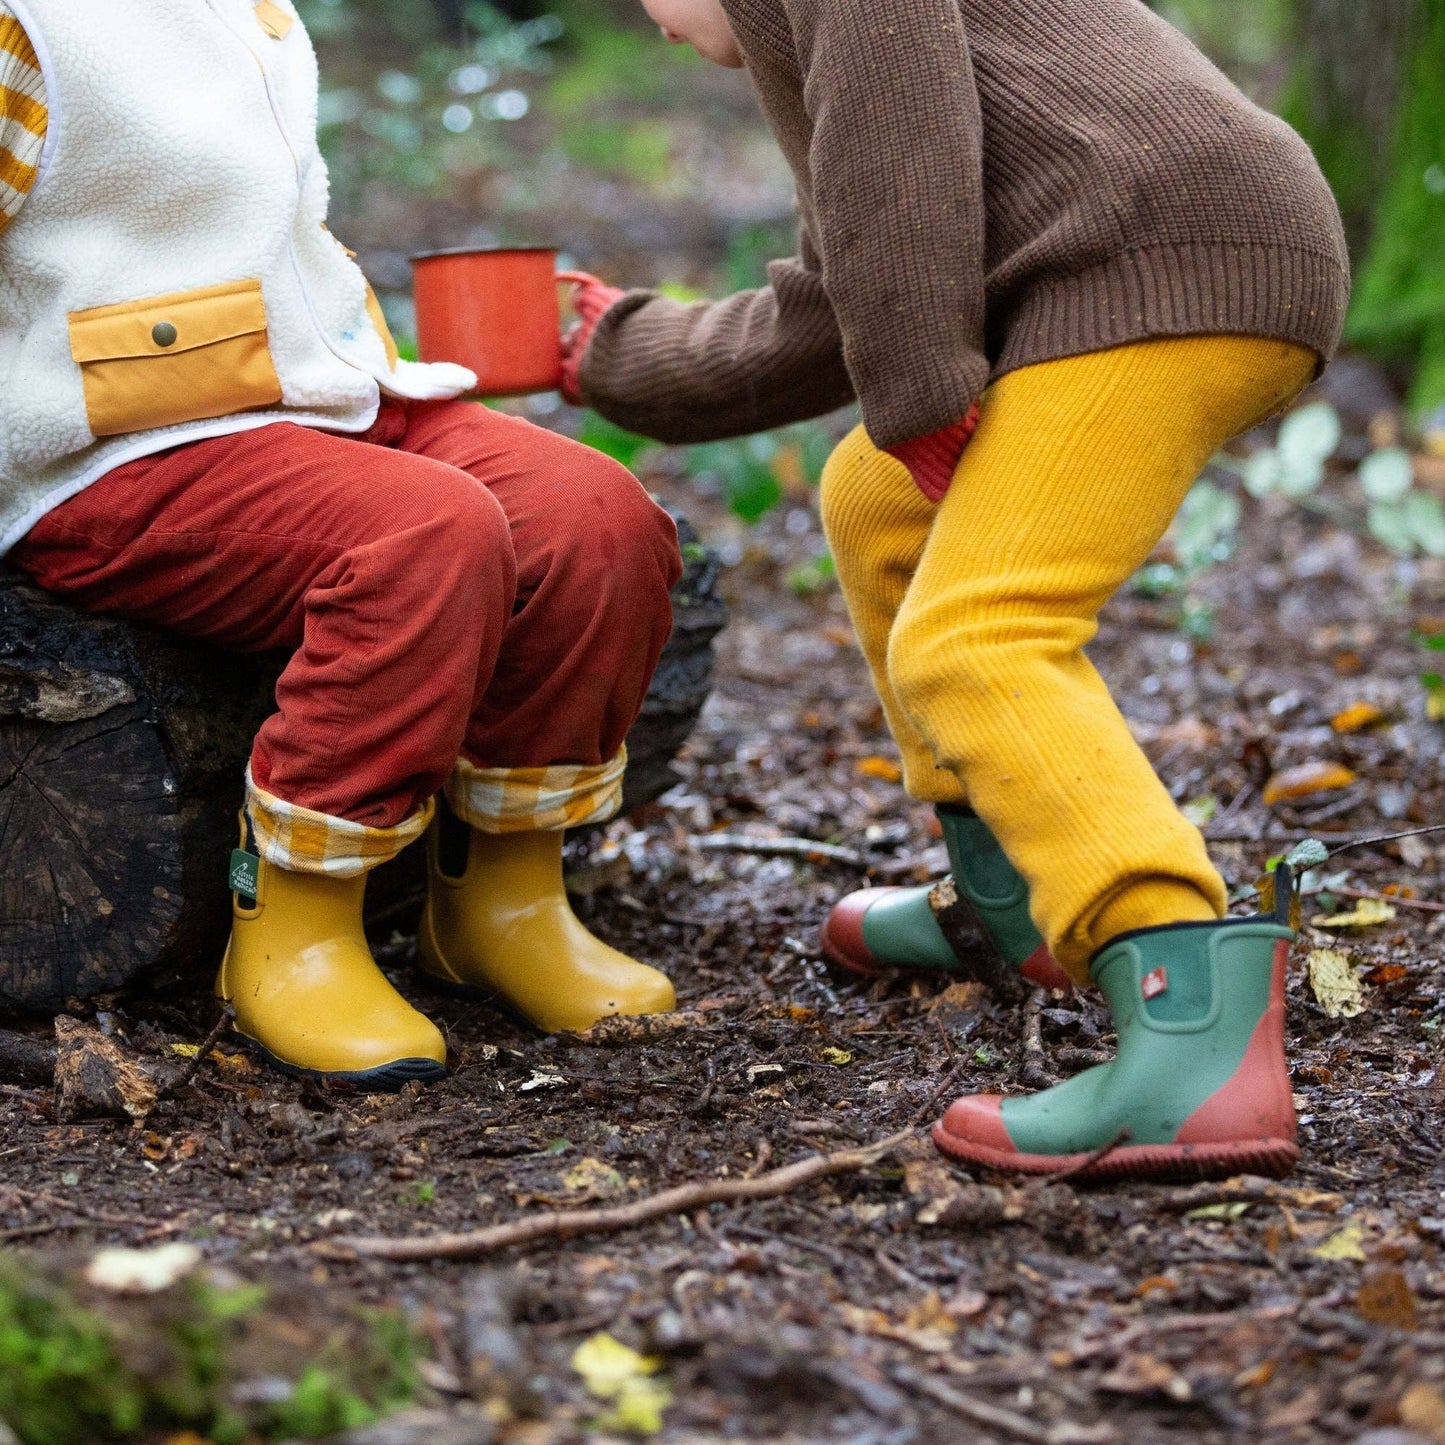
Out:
{"x": 974, "y": 614}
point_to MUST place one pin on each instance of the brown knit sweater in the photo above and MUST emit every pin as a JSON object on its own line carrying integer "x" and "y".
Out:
{"x": 983, "y": 184}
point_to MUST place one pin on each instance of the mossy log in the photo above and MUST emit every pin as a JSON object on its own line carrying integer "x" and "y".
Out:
{"x": 122, "y": 748}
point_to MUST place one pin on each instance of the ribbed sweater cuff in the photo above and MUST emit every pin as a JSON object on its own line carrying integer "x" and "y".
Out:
{"x": 932, "y": 460}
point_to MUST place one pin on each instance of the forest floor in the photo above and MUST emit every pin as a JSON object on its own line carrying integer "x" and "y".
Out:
{"x": 903, "y": 1301}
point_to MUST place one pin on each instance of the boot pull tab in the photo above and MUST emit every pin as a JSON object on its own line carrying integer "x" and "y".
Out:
{"x": 1286, "y": 898}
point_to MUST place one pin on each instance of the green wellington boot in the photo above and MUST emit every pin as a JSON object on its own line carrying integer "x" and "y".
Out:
{"x": 879, "y": 928}
{"x": 1200, "y": 1086}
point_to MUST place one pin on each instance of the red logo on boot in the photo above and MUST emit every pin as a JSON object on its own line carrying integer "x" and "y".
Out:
{"x": 1155, "y": 982}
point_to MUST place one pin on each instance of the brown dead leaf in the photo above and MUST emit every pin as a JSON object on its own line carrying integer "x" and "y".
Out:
{"x": 1307, "y": 779}
{"x": 931, "y": 1315}
{"x": 95, "y": 1075}
{"x": 1385, "y": 1298}
{"x": 1260, "y": 1374}
{"x": 1146, "y": 1375}
{"x": 1357, "y": 717}
{"x": 1153, "y": 1283}
{"x": 959, "y": 996}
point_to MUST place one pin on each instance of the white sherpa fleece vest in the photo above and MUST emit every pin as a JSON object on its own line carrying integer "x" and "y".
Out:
{"x": 170, "y": 276}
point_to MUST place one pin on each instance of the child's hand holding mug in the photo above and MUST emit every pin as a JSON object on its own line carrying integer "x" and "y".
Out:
{"x": 590, "y": 299}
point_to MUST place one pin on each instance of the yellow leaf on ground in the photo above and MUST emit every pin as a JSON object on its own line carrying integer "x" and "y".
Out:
{"x": 1365, "y": 914}
{"x": 607, "y": 1366}
{"x": 1306, "y": 779}
{"x": 836, "y": 1056}
{"x": 1343, "y": 1244}
{"x": 1357, "y": 717}
{"x": 1335, "y": 983}
{"x": 592, "y": 1176}
{"x": 876, "y": 767}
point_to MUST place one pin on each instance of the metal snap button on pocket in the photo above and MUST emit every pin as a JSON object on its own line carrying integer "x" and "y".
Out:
{"x": 164, "y": 334}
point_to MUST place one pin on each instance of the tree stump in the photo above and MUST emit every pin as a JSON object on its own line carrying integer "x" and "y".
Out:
{"x": 122, "y": 750}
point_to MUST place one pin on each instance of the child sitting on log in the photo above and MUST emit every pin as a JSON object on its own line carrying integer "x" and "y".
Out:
{"x": 1052, "y": 233}
{"x": 206, "y": 425}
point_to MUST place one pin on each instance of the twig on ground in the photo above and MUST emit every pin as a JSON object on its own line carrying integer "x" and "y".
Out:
{"x": 566, "y": 1224}
{"x": 1366, "y": 841}
{"x": 1392, "y": 898}
{"x": 777, "y": 847}
{"x": 1084, "y": 1165}
{"x": 949, "y": 1083}
{"x": 187, "y": 1077}
{"x": 80, "y": 1212}
{"x": 1035, "y": 1072}
{"x": 994, "y": 1417}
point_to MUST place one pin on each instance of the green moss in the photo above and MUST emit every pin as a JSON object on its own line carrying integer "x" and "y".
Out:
{"x": 78, "y": 1370}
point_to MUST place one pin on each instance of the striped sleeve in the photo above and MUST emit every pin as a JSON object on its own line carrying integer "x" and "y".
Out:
{"x": 22, "y": 115}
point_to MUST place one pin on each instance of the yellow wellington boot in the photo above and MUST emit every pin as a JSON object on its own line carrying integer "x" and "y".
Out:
{"x": 497, "y": 920}
{"x": 307, "y": 992}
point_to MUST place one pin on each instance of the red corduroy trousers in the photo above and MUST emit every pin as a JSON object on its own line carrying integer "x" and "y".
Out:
{"x": 452, "y": 582}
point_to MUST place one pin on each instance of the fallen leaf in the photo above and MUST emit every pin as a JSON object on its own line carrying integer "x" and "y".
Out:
{"x": 186, "y": 1051}
{"x": 1156, "y": 1282}
{"x": 931, "y": 1315}
{"x": 541, "y": 1080}
{"x": 1335, "y": 983}
{"x": 1201, "y": 810}
{"x": 593, "y": 1178}
{"x": 1387, "y": 973}
{"x": 1365, "y": 914}
{"x": 1357, "y": 717}
{"x": 1422, "y": 1408}
{"x": 142, "y": 1271}
{"x": 1385, "y": 1298}
{"x": 836, "y": 1056}
{"x": 960, "y": 996}
{"x": 1145, "y": 1375}
{"x": 877, "y": 767}
{"x": 1344, "y": 1244}
{"x": 1260, "y": 1374}
{"x": 612, "y": 1371}
{"x": 1308, "y": 778}
{"x": 1233, "y": 1210}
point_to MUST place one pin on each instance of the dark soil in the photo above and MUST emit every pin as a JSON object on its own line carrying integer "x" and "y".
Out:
{"x": 837, "y": 1313}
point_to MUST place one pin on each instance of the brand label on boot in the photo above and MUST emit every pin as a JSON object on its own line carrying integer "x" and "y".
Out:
{"x": 1155, "y": 982}
{"x": 244, "y": 873}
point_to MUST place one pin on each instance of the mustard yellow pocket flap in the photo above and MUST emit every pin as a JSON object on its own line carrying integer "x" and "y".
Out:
{"x": 165, "y": 325}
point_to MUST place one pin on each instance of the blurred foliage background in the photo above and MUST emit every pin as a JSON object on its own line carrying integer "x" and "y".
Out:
{"x": 571, "y": 122}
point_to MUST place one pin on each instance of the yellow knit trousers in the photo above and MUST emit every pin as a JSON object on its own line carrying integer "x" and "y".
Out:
{"x": 974, "y": 614}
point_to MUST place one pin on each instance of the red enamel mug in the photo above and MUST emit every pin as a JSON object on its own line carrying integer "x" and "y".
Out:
{"x": 494, "y": 311}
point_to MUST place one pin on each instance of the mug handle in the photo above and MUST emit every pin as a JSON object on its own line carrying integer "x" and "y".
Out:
{"x": 579, "y": 278}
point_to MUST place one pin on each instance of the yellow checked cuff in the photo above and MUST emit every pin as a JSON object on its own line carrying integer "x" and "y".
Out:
{"x": 301, "y": 840}
{"x": 535, "y": 800}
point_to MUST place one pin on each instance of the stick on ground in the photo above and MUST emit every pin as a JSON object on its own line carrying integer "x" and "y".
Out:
{"x": 565, "y": 1224}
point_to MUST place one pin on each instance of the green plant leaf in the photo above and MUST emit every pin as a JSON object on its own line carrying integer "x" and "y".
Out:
{"x": 1389, "y": 524}
{"x": 1386, "y": 475}
{"x": 1261, "y": 473}
{"x": 1308, "y": 437}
